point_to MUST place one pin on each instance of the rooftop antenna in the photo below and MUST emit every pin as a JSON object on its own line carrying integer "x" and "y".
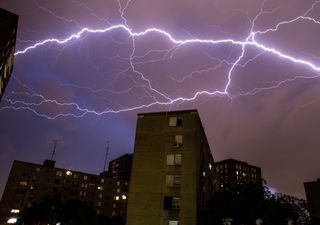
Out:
{"x": 106, "y": 158}
{"x": 55, "y": 144}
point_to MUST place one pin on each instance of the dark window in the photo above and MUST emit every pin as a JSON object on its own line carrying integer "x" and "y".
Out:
{"x": 179, "y": 122}
{"x": 57, "y": 181}
{"x": 167, "y": 203}
{"x": 171, "y": 203}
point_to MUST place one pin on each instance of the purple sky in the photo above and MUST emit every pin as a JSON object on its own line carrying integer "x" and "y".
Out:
{"x": 267, "y": 115}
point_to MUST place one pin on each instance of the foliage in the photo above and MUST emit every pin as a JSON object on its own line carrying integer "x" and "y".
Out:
{"x": 52, "y": 210}
{"x": 249, "y": 202}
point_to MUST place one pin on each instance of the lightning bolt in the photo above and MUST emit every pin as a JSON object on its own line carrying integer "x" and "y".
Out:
{"x": 158, "y": 96}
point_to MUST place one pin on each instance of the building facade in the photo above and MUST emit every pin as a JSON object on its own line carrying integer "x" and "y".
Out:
{"x": 120, "y": 171}
{"x": 29, "y": 183}
{"x": 173, "y": 170}
{"x": 312, "y": 190}
{"x": 8, "y": 30}
{"x": 232, "y": 173}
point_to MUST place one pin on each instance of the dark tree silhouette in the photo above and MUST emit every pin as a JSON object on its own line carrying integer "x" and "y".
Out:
{"x": 52, "y": 210}
{"x": 249, "y": 202}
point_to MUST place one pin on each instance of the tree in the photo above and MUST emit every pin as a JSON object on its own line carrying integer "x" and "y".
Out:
{"x": 52, "y": 210}
{"x": 249, "y": 202}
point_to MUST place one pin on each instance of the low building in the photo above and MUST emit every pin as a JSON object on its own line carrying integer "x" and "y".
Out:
{"x": 312, "y": 190}
{"x": 120, "y": 171}
{"x": 233, "y": 173}
{"x": 29, "y": 183}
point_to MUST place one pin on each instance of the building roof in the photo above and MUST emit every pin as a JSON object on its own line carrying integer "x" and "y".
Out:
{"x": 235, "y": 161}
{"x": 169, "y": 112}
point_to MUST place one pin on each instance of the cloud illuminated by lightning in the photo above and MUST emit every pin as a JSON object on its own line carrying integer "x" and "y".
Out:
{"x": 158, "y": 96}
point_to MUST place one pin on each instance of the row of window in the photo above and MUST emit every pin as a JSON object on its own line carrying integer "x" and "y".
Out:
{"x": 175, "y": 121}
{"x": 174, "y": 159}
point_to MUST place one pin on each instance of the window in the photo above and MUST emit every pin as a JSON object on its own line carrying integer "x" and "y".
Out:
{"x": 175, "y": 121}
{"x": 85, "y": 177}
{"x": 15, "y": 210}
{"x": 173, "y": 180}
{"x": 57, "y": 181}
{"x": 23, "y": 183}
{"x": 174, "y": 159}
{"x": 100, "y": 188}
{"x": 178, "y": 141}
{"x": 173, "y": 222}
{"x": 102, "y": 180}
{"x": 171, "y": 203}
{"x": 59, "y": 173}
{"x": 100, "y": 196}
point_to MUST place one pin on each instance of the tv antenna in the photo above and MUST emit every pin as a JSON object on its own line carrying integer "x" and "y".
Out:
{"x": 106, "y": 158}
{"x": 55, "y": 144}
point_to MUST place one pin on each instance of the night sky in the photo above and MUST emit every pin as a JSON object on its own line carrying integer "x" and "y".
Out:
{"x": 89, "y": 90}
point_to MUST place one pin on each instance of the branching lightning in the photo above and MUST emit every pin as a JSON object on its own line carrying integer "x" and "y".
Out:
{"x": 158, "y": 96}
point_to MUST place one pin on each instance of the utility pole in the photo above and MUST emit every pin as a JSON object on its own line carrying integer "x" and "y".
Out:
{"x": 55, "y": 144}
{"x": 106, "y": 158}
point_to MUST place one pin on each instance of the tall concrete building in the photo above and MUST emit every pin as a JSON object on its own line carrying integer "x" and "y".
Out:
{"x": 313, "y": 198}
{"x": 232, "y": 173}
{"x": 172, "y": 171}
{"x": 8, "y": 33}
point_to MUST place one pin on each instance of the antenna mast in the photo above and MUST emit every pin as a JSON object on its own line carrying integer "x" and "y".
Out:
{"x": 55, "y": 144}
{"x": 106, "y": 158}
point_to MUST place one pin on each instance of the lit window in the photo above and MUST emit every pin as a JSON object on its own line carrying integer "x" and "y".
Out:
{"x": 116, "y": 198}
{"x": 100, "y": 196}
{"x": 204, "y": 173}
{"x": 12, "y": 220}
{"x": 59, "y": 173}
{"x": 174, "y": 159}
{"x": 68, "y": 173}
{"x": 118, "y": 183}
{"x": 15, "y": 210}
{"x": 178, "y": 141}
{"x": 175, "y": 121}
{"x": 102, "y": 180}
{"x": 118, "y": 190}
{"x": 124, "y": 197}
{"x": 210, "y": 166}
{"x": 244, "y": 174}
{"x": 173, "y": 222}
{"x": 85, "y": 177}
{"x": 173, "y": 180}
{"x": 100, "y": 188}
{"x": 177, "y": 159}
{"x": 175, "y": 203}
{"x": 23, "y": 183}
{"x": 237, "y": 172}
